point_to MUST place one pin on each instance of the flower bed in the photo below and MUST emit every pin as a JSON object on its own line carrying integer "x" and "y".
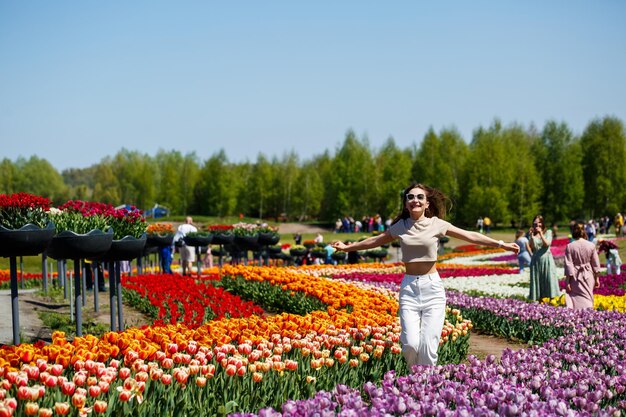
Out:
{"x": 222, "y": 365}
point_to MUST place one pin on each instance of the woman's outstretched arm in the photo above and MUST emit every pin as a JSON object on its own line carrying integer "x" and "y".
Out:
{"x": 369, "y": 243}
{"x": 480, "y": 239}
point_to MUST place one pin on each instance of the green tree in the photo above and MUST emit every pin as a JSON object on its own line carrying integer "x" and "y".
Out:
{"x": 560, "y": 168}
{"x": 393, "y": 173}
{"x": 38, "y": 176}
{"x": 440, "y": 162}
{"x": 213, "y": 194}
{"x": 350, "y": 188}
{"x": 137, "y": 175}
{"x": 307, "y": 199}
{"x": 8, "y": 177}
{"x": 496, "y": 182}
{"x": 263, "y": 184}
{"x": 603, "y": 145}
{"x": 106, "y": 188}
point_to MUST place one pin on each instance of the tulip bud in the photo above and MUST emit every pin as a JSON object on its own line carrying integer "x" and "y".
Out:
{"x": 31, "y": 408}
{"x": 94, "y": 391}
{"x": 125, "y": 395}
{"x": 45, "y": 412}
{"x": 78, "y": 400}
{"x": 61, "y": 409}
{"x": 100, "y": 406}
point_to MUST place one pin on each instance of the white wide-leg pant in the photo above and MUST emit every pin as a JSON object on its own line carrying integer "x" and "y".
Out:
{"x": 422, "y": 314}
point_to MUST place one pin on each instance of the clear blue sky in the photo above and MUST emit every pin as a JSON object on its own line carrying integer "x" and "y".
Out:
{"x": 79, "y": 80}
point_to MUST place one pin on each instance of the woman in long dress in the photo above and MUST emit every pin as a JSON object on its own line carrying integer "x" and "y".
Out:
{"x": 582, "y": 266}
{"x": 543, "y": 279}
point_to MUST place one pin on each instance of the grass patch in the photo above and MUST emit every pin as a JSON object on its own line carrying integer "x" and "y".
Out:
{"x": 62, "y": 322}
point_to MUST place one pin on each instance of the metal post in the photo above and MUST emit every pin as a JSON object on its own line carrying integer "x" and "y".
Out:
{"x": 64, "y": 278}
{"x": 21, "y": 272}
{"x": 44, "y": 272}
{"x": 78, "y": 297}
{"x": 120, "y": 313}
{"x": 198, "y": 260}
{"x": 96, "y": 285}
{"x": 140, "y": 265}
{"x": 68, "y": 283}
{"x": 83, "y": 280}
{"x": 15, "y": 309}
{"x": 112, "y": 289}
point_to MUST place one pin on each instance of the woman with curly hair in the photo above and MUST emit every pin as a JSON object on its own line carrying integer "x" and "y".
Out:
{"x": 419, "y": 226}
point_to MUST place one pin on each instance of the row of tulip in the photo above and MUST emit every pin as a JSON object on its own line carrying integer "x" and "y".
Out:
{"x": 174, "y": 299}
{"x": 575, "y": 365}
{"x": 177, "y": 367}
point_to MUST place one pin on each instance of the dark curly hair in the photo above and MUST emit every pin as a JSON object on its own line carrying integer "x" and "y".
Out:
{"x": 436, "y": 199}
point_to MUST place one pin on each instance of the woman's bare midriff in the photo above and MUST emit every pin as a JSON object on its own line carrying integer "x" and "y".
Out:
{"x": 420, "y": 268}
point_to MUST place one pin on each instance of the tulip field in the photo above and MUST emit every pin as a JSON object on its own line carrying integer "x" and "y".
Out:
{"x": 324, "y": 340}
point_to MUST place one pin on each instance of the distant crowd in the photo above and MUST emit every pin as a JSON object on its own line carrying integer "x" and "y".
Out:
{"x": 367, "y": 224}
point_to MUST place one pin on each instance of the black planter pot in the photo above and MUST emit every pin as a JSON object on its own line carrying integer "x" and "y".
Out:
{"x": 247, "y": 242}
{"x": 318, "y": 254}
{"x": 379, "y": 254}
{"x": 338, "y": 256}
{"x": 222, "y": 239}
{"x": 268, "y": 238}
{"x": 159, "y": 240}
{"x": 297, "y": 252}
{"x": 70, "y": 245}
{"x": 198, "y": 240}
{"x": 125, "y": 249}
{"x": 29, "y": 240}
{"x": 274, "y": 249}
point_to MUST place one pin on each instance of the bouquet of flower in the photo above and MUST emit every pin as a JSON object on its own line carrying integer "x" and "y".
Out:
{"x": 245, "y": 229}
{"x": 219, "y": 228}
{"x": 160, "y": 229}
{"x": 80, "y": 217}
{"x": 127, "y": 222}
{"x": 20, "y": 209}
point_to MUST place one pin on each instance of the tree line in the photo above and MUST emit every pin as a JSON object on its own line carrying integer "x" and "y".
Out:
{"x": 509, "y": 173}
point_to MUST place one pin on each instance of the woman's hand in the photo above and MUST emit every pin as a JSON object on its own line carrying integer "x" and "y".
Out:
{"x": 340, "y": 246}
{"x": 512, "y": 247}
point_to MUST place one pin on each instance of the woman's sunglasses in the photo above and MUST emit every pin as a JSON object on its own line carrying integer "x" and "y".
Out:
{"x": 418, "y": 197}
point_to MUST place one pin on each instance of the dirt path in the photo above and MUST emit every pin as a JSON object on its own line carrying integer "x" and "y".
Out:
{"x": 32, "y": 304}
{"x": 482, "y": 345}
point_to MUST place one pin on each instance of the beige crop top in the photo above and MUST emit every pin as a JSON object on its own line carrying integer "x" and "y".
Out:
{"x": 419, "y": 239}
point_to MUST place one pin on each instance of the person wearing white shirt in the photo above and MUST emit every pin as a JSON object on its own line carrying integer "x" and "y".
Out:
{"x": 187, "y": 253}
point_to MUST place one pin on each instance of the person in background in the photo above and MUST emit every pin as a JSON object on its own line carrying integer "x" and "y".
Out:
{"x": 479, "y": 224}
{"x": 487, "y": 223}
{"x": 187, "y": 253}
{"x": 582, "y": 267}
{"x": 419, "y": 225}
{"x": 543, "y": 280}
{"x": 165, "y": 259}
{"x": 524, "y": 254}
{"x": 619, "y": 223}
{"x": 319, "y": 238}
{"x": 207, "y": 259}
{"x": 613, "y": 260}
{"x": 297, "y": 238}
{"x": 590, "y": 230}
